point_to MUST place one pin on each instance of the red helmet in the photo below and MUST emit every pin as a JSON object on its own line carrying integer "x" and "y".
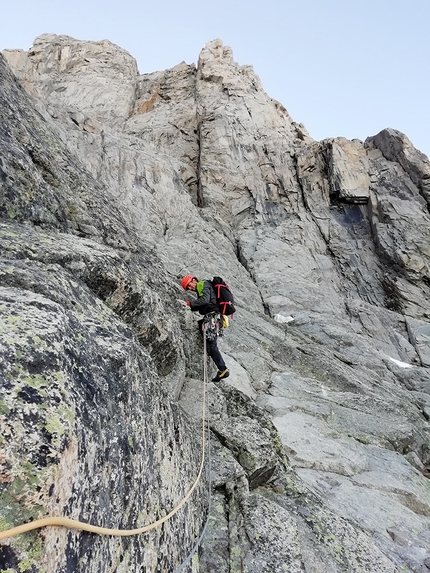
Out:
{"x": 186, "y": 281}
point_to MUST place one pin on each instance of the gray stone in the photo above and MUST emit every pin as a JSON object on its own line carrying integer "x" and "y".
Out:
{"x": 114, "y": 184}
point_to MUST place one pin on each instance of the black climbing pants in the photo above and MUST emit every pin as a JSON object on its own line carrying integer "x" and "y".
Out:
{"x": 215, "y": 354}
{"x": 213, "y": 350}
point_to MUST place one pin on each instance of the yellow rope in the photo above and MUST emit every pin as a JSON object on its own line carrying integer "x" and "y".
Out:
{"x": 74, "y": 524}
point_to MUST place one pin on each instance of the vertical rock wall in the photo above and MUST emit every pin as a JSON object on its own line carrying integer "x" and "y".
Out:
{"x": 89, "y": 350}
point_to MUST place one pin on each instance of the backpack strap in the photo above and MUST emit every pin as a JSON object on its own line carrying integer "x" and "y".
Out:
{"x": 223, "y": 306}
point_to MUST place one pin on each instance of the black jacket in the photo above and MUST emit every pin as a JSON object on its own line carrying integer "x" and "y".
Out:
{"x": 206, "y": 299}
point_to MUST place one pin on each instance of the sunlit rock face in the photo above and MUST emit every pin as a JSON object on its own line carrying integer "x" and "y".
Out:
{"x": 114, "y": 185}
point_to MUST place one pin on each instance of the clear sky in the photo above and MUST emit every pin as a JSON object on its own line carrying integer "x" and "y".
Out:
{"x": 342, "y": 67}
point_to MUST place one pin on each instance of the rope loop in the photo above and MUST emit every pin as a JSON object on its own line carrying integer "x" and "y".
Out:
{"x": 74, "y": 524}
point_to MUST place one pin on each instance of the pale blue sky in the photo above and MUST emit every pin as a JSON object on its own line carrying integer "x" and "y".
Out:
{"x": 342, "y": 67}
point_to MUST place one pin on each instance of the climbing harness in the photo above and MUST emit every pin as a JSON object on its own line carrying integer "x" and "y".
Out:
{"x": 212, "y": 323}
{"x": 74, "y": 524}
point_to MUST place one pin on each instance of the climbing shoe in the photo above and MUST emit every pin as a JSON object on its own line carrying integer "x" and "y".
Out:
{"x": 220, "y": 375}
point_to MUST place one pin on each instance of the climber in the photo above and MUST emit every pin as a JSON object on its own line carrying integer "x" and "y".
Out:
{"x": 206, "y": 305}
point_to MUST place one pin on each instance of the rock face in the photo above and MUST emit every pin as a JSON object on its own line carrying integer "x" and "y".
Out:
{"x": 113, "y": 185}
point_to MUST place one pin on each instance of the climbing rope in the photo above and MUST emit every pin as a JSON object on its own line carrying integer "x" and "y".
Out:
{"x": 74, "y": 524}
{"x": 200, "y": 539}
